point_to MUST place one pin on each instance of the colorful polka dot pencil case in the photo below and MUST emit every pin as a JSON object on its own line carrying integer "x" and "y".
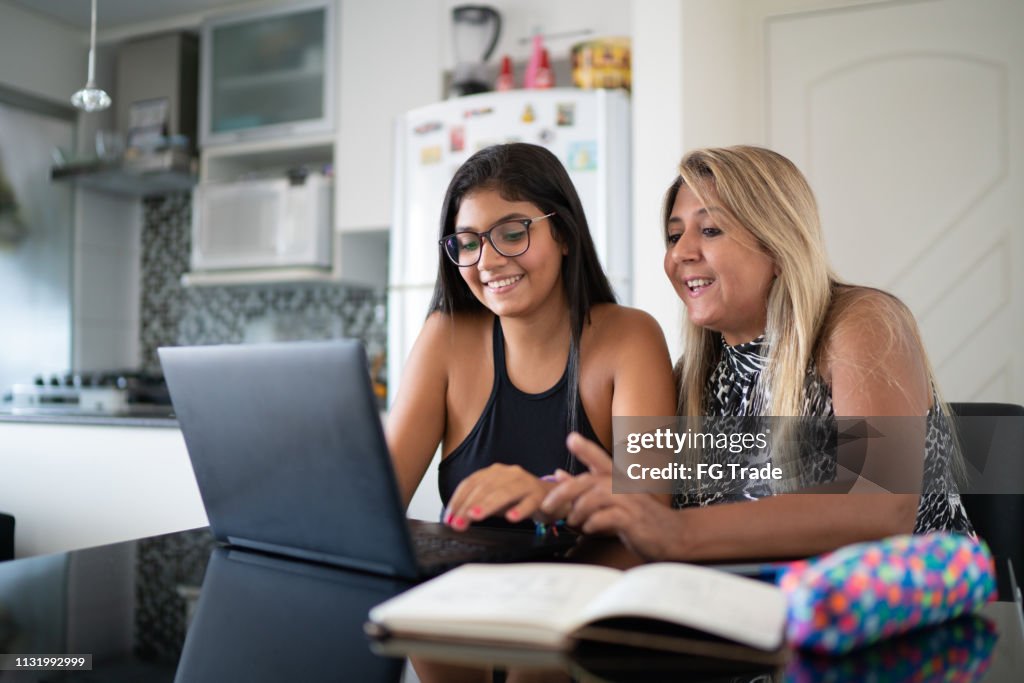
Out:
{"x": 865, "y": 592}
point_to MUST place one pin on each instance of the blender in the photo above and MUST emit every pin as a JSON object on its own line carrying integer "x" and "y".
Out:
{"x": 475, "y": 31}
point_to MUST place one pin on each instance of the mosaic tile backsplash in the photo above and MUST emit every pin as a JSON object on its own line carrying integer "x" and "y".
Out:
{"x": 175, "y": 315}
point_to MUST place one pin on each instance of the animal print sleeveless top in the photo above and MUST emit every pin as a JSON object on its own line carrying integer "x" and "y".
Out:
{"x": 734, "y": 390}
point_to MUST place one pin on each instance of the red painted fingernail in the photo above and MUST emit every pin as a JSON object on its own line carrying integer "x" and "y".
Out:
{"x": 447, "y": 518}
{"x": 475, "y": 512}
{"x": 459, "y": 523}
{"x": 513, "y": 515}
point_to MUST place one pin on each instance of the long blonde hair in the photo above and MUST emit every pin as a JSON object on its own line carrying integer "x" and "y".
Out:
{"x": 767, "y": 195}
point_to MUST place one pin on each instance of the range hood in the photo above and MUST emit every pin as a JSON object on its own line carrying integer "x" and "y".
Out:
{"x": 154, "y": 173}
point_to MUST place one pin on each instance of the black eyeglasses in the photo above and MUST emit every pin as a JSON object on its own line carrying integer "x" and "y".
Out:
{"x": 509, "y": 238}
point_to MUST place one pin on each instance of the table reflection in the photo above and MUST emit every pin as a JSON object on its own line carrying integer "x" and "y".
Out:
{"x": 959, "y": 650}
{"x": 261, "y": 618}
{"x": 118, "y": 602}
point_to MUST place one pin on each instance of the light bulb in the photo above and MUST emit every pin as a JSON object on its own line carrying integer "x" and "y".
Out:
{"x": 90, "y": 98}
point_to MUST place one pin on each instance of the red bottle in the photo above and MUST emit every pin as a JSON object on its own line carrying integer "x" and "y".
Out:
{"x": 545, "y": 77}
{"x": 506, "y": 79}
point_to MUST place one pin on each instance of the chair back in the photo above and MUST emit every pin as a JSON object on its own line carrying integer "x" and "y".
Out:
{"x": 995, "y": 447}
{"x": 6, "y": 537}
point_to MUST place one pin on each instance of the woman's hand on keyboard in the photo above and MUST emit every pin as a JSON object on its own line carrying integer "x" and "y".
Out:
{"x": 499, "y": 489}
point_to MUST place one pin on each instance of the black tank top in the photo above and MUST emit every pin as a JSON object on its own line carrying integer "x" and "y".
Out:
{"x": 516, "y": 428}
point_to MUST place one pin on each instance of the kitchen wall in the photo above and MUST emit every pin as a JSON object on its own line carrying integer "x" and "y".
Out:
{"x": 40, "y": 56}
{"x": 175, "y": 315}
{"x": 47, "y": 59}
{"x": 35, "y": 247}
{"x": 107, "y": 248}
{"x": 35, "y": 271}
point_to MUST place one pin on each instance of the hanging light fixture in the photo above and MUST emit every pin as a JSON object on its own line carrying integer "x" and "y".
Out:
{"x": 91, "y": 98}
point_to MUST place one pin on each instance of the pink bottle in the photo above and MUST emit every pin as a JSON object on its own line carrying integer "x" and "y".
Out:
{"x": 530, "y": 77}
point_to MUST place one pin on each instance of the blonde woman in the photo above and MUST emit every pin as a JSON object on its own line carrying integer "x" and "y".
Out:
{"x": 770, "y": 331}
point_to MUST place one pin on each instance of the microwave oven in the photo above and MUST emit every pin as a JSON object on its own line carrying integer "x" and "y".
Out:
{"x": 268, "y": 223}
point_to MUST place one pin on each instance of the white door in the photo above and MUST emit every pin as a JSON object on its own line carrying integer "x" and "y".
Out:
{"x": 908, "y": 118}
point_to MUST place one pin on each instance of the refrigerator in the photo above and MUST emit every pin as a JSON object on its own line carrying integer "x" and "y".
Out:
{"x": 588, "y": 130}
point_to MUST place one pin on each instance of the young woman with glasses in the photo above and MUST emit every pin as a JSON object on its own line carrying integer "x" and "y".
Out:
{"x": 523, "y": 344}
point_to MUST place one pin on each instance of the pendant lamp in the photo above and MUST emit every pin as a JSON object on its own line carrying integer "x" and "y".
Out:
{"x": 90, "y": 98}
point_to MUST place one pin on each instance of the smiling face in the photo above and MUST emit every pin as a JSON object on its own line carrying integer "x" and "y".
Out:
{"x": 518, "y": 285}
{"x": 717, "y": 268}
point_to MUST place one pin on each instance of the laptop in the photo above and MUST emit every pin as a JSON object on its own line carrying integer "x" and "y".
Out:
{"x": 289, "y": 455}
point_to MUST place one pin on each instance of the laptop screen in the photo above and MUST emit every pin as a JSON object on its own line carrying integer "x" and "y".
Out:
{"x": 288, "y": 450}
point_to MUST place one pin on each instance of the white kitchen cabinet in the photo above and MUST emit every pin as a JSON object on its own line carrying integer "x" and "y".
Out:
{"x": 358, "y": 257}
{"x": 268, "y": 73}
{"x": 267, "y": 111}
{"x": 390, "y": 62}
{"x": 226, "y": 163}
{"x": 116, "y": 483}
{"x": 387, "y": 60}
{"x": 238, "y": 165}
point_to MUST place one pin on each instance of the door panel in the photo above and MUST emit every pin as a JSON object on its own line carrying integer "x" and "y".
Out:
{"x": 912, "y": 140}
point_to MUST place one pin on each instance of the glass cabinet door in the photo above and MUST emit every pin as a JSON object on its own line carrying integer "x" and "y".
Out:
{"x": 267, "y": 75}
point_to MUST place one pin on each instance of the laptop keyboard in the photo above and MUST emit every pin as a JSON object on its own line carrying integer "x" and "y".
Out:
{"x": 441, "y": 547}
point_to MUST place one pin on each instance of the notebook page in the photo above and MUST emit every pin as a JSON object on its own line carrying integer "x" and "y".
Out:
{"x": 530, "y": 594}
{"x": 745, "y": 610}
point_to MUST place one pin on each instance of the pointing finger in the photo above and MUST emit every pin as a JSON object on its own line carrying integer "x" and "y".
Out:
{"x": 589, "y": 453}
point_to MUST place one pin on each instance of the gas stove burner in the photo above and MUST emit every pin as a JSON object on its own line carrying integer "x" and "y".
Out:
{"x": 95, "y": 392}
{"x": 122, "y": 379}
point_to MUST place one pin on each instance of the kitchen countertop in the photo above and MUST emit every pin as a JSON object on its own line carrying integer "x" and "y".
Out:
{"x": 143, "y": 419}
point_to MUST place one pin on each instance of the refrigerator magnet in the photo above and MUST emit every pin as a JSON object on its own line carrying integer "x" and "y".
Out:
{"x": 428, "y": 127}
{"x": 457, "y": 138}
{"x": 528, "y": 115}
{"x": 565, "y": 114}
{"x": 471, "y": 113}
{"x": 546, "y": 136}
{"x": 430, "y": 155}
{"x": 583, "y": 155}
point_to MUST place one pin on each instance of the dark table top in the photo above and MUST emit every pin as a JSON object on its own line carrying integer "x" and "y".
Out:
{"x": 263, "y": 618}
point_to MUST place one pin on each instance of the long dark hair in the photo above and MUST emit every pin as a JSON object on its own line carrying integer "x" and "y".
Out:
{"x": 521, "y": 172}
